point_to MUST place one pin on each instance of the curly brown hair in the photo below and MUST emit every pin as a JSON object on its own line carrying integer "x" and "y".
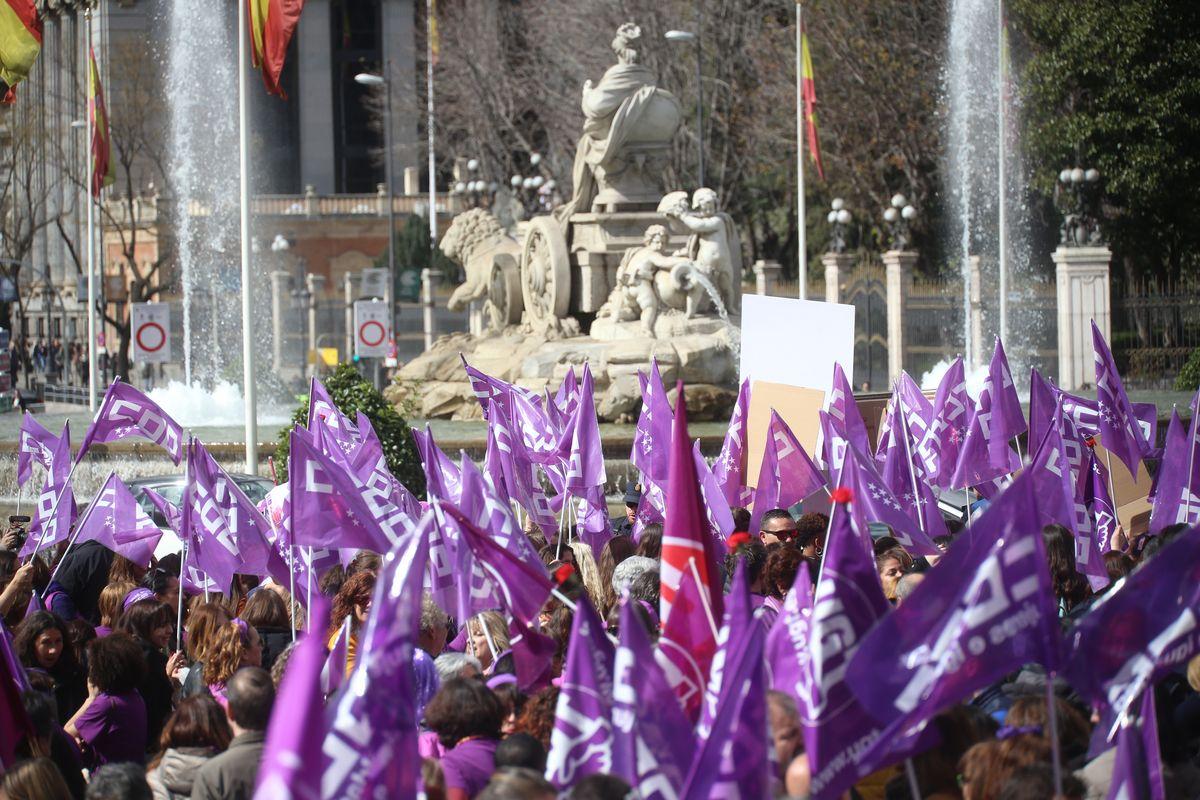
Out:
{"x": 537, "y": 717}
{"x": 987, "y": 766}
{"x": 780, "y": 571}
{"x": 356, "y": 591}
{"x": 115, "y": 663}
{"x": 464, "y": 707}
{"x": 226, "y": 650}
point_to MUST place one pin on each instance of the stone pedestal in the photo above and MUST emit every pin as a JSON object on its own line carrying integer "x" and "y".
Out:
{"x": 766, "y": 276}
{"x": 316, "y": 285}
{"x": 836, "y": 265}
{"x": 1083, "y": 295}
{"x": 899, "y": 265}
{"x": 280, "y": 282}
{"x": 975, "y": 358}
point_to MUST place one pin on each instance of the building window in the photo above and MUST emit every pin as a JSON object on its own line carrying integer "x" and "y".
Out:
{"x": 357, "y": 47}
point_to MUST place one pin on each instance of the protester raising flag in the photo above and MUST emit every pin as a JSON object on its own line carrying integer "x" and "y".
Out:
{"x": 582, "y": 741}
{"x": 21, "y": 32}
{"x": 787, "y": 474}
{"x": 36, "y": 444}
{"x": 115, "y": 520}
{"x": 985, "y": 610}
{"x": 272, "y": 23}
{"x": 56, "y": 511}
{"x": 127, "y": 412}
{"x": 1120, "y": 432}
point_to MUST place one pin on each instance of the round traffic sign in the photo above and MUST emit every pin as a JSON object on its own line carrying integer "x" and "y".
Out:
{"x": 151, "y": 337}
{"x": 376, "y": 333}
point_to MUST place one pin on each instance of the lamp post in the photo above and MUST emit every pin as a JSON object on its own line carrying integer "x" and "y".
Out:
{"x": 839, "y": 217}
{"x": 1080, "y": 226}
{"x": 898, "y": 216}
{"x": 370, "y": 79}
{"x": 688, "y": 36}
{"x": 475, "y": 192}
{"x": 534, "y": 190}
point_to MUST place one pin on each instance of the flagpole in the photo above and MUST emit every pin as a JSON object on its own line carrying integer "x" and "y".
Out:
{"x": 247, "y": 293}
{"x": 802, "y": 247}
{"x": 1187, "y": 486}
{"x": 433, "y": 224}
{"x": 912, "y": 471}
{"x": 179, "y": 613}
{"x": 1052, "y": 719}
{"x": 1001, "y": 120}
{"x": 91, "y": 221}
{"x": 704, "y": 599}
{"x": 308, "y": 621}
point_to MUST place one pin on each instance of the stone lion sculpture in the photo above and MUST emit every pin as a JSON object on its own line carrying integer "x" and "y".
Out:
{"x": 491, "y": 260}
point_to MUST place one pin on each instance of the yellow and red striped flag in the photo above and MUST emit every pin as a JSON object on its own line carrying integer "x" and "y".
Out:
{"x": 102, "y": 165}
{"x": 20, "y": 43}
{"x": 272, "y": 23}
{"x": 808, "y": 96}
{"x": 435, "y": 38}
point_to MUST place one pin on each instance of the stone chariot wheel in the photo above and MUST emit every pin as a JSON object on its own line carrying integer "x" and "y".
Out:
{"x": 545, "y": 270}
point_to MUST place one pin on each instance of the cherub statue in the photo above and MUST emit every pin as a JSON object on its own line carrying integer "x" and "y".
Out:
{"x": 635, "y": 295}
{"x": 712, "y": 250}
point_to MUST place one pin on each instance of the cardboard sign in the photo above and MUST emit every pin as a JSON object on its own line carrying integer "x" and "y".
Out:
{"x": 151, "y": 327}
{"x": 795, "y": 342}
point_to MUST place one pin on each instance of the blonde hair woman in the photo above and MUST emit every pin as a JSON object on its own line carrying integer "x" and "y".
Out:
{"x": 488, "y": 638}
{"x": 589, "y": 573}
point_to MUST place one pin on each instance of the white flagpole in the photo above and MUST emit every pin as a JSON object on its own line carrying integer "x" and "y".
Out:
{"x": 912, "y": 469}
{"x": 247, "y": 292}
{"x": 91, "y": 226}
{"x": 179, "y": 618}
{"x": 433, "y": 224}
{"x": 802, "y": 247}
{"x": 1001, "y": 125}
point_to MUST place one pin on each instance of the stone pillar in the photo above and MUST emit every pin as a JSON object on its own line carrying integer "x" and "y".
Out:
{"x": 316, "y": 285}
{"x": 280, "y": 282}
{"x": 899, "y": 265}
{"x": 766, "y": 276}
{"x": 1083, "y": 295}
{"x": 975, "y": 357}
{"x": 475, "y": 317}
{"x": 400, "y": 53}
{"x": 836, "y": 265}
{"x": 315, "y": 42}
{"x": 428, "y": 278}
{"x": 348, "y": 286}
{"x": 412, "y": 181}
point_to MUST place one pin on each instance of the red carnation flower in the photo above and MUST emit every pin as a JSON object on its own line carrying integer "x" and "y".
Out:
{"x": 562, "y": 573}
{"x": 842, "y": 494}
{"x": 737, "y": 540}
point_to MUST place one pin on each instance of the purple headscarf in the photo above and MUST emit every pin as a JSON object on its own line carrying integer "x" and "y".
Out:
{"x": 136, "y": 596}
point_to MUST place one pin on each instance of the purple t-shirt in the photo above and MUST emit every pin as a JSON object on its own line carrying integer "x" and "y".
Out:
{"x": 115, "y": 727}
{"x": 469, "y": 766}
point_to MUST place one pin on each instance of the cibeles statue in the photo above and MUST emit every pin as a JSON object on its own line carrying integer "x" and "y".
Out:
{"x": 638, "y": 293}
{"x": 627, "y": 130}
{"x": 713, "y": 252}
{"x": 490, "y": 259}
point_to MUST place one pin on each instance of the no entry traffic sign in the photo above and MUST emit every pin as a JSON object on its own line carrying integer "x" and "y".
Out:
{"x": 372, "y": 329}
{"x": 151, "y": 323}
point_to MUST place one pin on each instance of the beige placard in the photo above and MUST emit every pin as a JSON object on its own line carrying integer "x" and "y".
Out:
{"x": 798, "y": 407}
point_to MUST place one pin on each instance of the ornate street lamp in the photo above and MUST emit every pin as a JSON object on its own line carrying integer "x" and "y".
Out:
{"x": 1078, "y": 195}
{"x": 839, "y": 217}
{"x": 898, "y": 216}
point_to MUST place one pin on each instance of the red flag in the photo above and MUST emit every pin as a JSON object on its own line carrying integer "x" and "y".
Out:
{"x": 686, "y": 533}
{"x": 808, "y": 96}
{"x": 20, "y": 44}
{"x": 272, "y": 23}
{"x": 102, "y": 166}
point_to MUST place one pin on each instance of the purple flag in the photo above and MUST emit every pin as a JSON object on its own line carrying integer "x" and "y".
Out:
{"x": 844, "y": 411}
{"x": 1141, "y": 629}
{"x": 902, "y": 474}
{"x": 114, "y": 519}
{"x": 1054, "y": 486}
{"x": 720, "y": 516}
{"x": 55, "y": 513}
{"x": 838, "y": 730}
{"x": 1044, "y": 403}
{"x": 1084, "y": 413}
{"x": 442, "y": 478}
{"x": 729, "y": 467}
{"x": 1137, "y": 769}
{"x": 15, "y": 724}
{"x": 508, "y": 465}
{"x": 533, "y": 656}
{"x": 228, "y": 529}
{"x": 567, "y": 396}
{"x": 521, "y": 584}
{"x": 1175, "y": 496}
{"x": 37, "y": 444}
{"x": 938, "y": 449}
{"x": 688, "y": 644}
{"x": 986, "y": 453}
{"x": 1099, "y": 503}
{"x": 875, "y": 502}
{"x": 539, "y": 436}
{"x": 287, "y": 563}
{"x": 16, "y": 669}
{"x": 833, "y": 444}
{"x": 594, "y": 527}
{"x": 734, "y": 628}
{"x": 169, "y": 510}
{"x": 582, "y": 741}
{"x": 325, "y": 416}
{"x": 127, "y": 412}
{"x": 918, "y": 413}
{"x": 1119, "y": 428}
{"x": 987, "y": 608}
{"x": 333, "y": 673}
{"x": 338, "y": 508}
{"x": 787, "y": 474}
{"x": 652, "y": 742}
{"x": 1177, "y": 439}
{"x": 652, "y": 436}
{"x": 580, "y": 443}
{"x": 291, "y": 758}
{"x": 370, "y": 746}
{"x": 490, "y": 391}
{"x": 732, "y": 759}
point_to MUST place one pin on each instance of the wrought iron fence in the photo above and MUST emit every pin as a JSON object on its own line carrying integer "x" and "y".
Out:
{"x": 1155, "y": 327}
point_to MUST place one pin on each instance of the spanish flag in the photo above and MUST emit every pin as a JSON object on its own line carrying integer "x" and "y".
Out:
{"x": 272, "y": 23}
{"x": 435, "y": 38}
{"x": 102, "y": 166}
{"x": 20, "y": 43}
{"x": 808, "y": 96}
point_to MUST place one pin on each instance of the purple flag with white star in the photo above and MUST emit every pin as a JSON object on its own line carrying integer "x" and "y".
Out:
{"x": 1141, "y": 629}
{"x": 1099, "y": 503}
{"x": 987, "y": 608}
{"x": 918, "y": 413}
{"x": 986, "y": 454}
{"x": 729, "y": 467}
{"x": 651, "y": 738}
{"x": 370, "y": 743}
{"x": 115, "y": 520}
{"x": 581, "y": 743}
{"x": 36, "y": 444}
{"x": 324, "y": 414}
{"x": 844, "y": 410}
{"x": 127, "y": 412}
{"x": 875, "y": 502}
{"x": 652, "y": 436}
{"x": 508, "y": 465}
{"x": 441, "y": 475}
{"x": 1119, "y": 428}
{"x": 56, "y": 511}
{"x": 938, "y": 449}
{"x": 490, "y": 391}
{"x": 787, "y": 474}
{"x": 1175, "y": 496}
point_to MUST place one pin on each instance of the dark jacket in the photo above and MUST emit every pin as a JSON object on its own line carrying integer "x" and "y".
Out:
{"x": 82, "y": 574}
{"x": 231, "y": 775}
{"x": 274, "y": 642}
{"x": 157, "y": 692}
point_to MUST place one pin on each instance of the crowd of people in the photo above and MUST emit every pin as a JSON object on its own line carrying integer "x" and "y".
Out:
{"x": 125, "y": 706}
{"x": 50, "y": 360}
